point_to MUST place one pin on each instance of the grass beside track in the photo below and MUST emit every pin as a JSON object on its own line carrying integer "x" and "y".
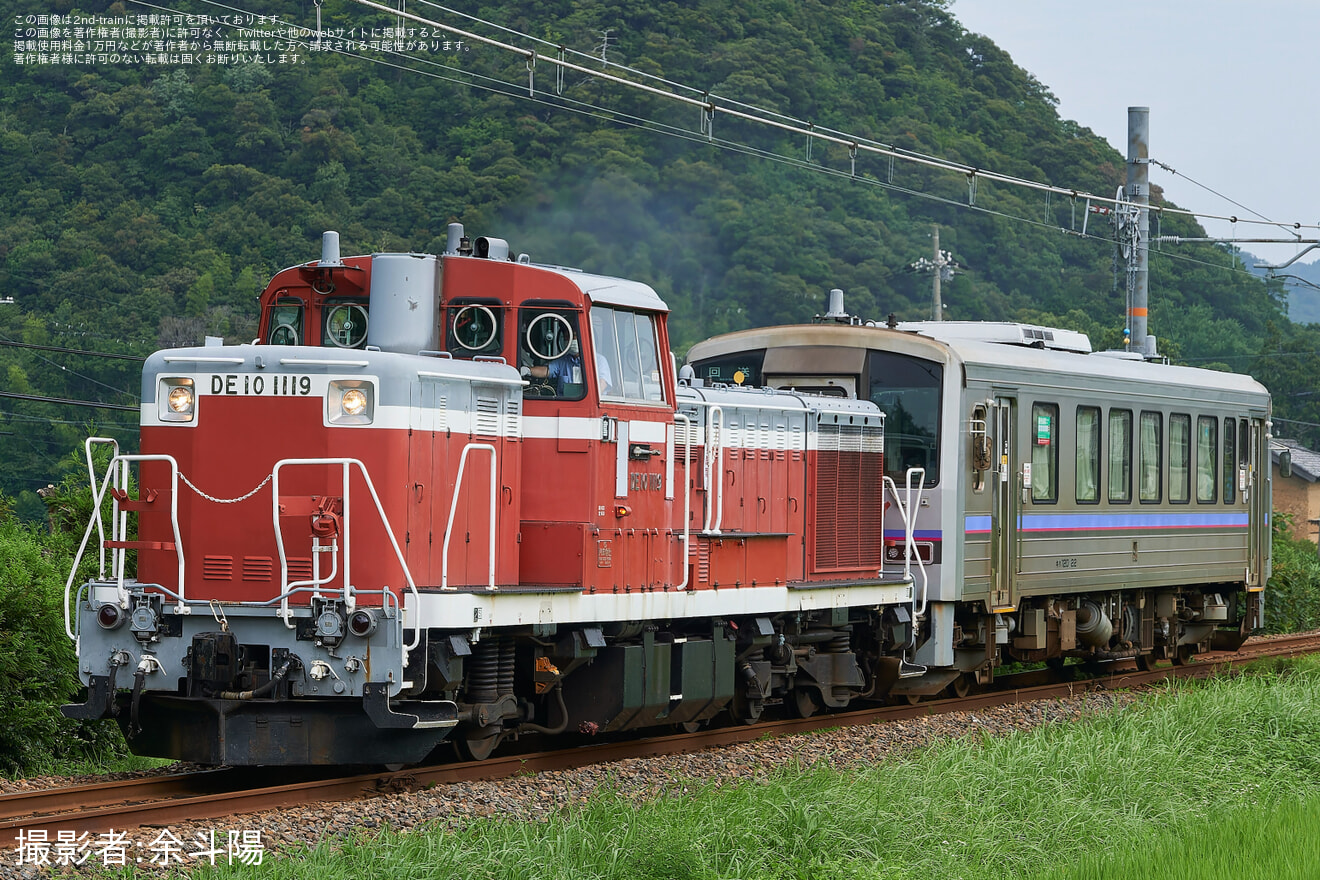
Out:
{"x": 1212, "y": 779}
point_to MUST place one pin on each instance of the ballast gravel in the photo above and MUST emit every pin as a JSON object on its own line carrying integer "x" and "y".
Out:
{"x": 285, "y": 833}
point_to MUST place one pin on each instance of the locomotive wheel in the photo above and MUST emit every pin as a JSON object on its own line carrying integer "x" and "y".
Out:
{"x": 961, "y": 686}
{"x": 913, "y": 699}
{"x": 1145, "y": 662}
{"x": 805, "y": 702}
{"x": 1182, "y": 655}
{"x": 477, "y": 743}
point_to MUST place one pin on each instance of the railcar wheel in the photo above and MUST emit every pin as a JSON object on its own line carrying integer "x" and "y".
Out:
{"x": 1182, "y": 655}
{"x": 913, "y": 699}
{"x": 961, "y": 686}
{"x": 477, "y": 743}
{"x": 1145, "y": 662}
{"x": 805, "y": 702}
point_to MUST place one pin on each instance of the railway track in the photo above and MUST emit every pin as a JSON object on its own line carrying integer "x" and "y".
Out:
{"x": 210, "y": 794}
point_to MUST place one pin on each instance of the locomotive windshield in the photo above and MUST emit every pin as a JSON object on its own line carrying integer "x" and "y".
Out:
{"x": 908, "y": 390}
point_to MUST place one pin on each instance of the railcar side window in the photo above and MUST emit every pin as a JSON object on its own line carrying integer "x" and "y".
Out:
{"x": 1044, "y": 453}
{"x": 1149, "y": 465}
{"x": 1230, "y": 461}
{"x": 907, "y": 389}
{"x": 1207, "y": 458}
{"x": 1180, "y": 455}
{"x": 1120, "y": 456}
{"x": 1088, "y": 455}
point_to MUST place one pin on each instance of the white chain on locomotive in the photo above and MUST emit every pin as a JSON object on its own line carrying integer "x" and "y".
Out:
{"x": 467, "y": 497}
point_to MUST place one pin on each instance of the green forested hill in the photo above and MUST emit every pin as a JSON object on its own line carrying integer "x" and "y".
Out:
{"x": 146, "y": 206}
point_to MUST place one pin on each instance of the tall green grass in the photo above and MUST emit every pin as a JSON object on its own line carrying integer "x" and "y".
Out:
{"x": 1182, "y": 768}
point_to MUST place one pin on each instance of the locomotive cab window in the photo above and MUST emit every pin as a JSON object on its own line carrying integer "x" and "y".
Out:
{"x": 627, "y": 357}
{"x": 1088, "y": 455}
{"x": 550, "y": 354}
{"x": 286, "y": 323}
{"x": 1044, "y": 453}
{"x": 344, "y": 324}
{"x": 908, "y": 390}
{"x": 474, "y": 327}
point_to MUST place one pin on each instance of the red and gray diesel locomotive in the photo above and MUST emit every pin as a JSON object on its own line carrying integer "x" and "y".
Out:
{"x": 467, "y": 498}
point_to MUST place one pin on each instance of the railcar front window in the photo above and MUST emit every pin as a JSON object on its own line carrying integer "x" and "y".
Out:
{"x": 907, "y": 389}
{"x": 1120, "y": 456}
{"x": 1149, "y": 466}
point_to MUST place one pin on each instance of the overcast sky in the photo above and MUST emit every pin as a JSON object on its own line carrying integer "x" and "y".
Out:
{"x": 1231, "y": 87}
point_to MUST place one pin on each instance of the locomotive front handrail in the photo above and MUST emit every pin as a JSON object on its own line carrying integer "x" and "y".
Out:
{"x": 346, "y": 464}
{"x": 453, "y": 509}
{"x": 118, "y": 471}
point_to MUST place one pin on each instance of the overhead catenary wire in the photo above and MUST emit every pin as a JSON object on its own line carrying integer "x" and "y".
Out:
{"x": 499, "y": 86}
{"x": 716, "y": 104}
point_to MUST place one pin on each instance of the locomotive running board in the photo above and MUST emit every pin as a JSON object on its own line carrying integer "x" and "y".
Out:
{"x": 416, "y": 714}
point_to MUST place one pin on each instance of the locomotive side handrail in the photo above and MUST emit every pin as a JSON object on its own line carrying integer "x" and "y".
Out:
{"x": 687, "y": 495}
{"x": 714, "y": 460}
{"x": 346, "y": 464}
{"x": 453, "y": 510}
{"x": 119, "y": 473}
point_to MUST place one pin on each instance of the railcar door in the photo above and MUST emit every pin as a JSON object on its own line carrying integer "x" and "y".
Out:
{"x": 1004, "y": 519}
{"x": 1255, "y": 479}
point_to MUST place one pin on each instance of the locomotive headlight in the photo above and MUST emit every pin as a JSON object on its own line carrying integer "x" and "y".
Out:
{"x": 350, "y": 402}
{"x": 362, "y": 623}
{"x": 354, "y": 402}
{"x": 178, "y": 400}
{"x": 110, "y": 616}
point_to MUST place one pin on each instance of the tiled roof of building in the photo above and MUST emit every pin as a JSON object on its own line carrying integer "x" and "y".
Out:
{"x": 1305, "y": 462}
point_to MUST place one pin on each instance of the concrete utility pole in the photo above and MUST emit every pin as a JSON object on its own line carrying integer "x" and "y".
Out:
{"x": 941, "y": 268}
{"x": 938, "y": 306}
{"x": 1138, "y": 192}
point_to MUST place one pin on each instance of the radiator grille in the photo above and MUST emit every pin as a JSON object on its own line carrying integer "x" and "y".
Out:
{"x": 849, "y": 498}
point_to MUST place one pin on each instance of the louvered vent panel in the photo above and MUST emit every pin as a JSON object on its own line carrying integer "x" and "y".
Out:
{"x": 512, "y": 420}
{"x": 703, "y": 562}
{"x": 217, "y": 568}
{"x": 300, "y": 569}
{"x": 258, "y": 568}
{"x": 442, "y": 414}
{"x": 488, "y": 416}
{"x": 849, "y": 498}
